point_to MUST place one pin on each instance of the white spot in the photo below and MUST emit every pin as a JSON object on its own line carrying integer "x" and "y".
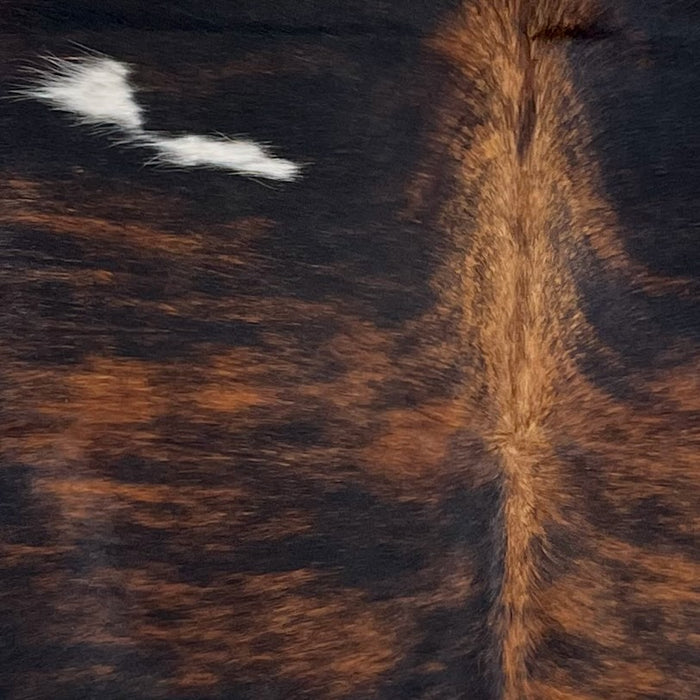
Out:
{"x": 96, "y": 91}
{"x": 242, "y": 156}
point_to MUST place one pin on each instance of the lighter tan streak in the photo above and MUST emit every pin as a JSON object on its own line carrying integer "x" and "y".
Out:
{"x": 517, "y": 294}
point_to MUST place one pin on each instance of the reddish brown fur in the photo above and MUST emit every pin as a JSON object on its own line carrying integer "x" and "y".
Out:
{"x": 187, "y": 528}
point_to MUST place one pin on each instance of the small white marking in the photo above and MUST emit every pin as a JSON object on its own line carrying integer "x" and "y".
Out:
{"x": 96, "y": 91}
{"x": 245, "y": 157}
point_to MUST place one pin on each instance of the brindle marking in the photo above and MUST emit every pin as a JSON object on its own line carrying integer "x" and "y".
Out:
{"x": 421, "y": 425}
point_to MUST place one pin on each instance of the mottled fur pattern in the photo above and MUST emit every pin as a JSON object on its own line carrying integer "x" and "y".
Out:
{"x": 420, "y": 425}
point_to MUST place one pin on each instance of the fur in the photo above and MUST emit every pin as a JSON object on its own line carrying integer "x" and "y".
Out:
{"x": 97, "y": 92}
{"x": 419, "y": 425}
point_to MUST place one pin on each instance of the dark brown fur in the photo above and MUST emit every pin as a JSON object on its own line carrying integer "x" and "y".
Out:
{"x": 422, "y": 425}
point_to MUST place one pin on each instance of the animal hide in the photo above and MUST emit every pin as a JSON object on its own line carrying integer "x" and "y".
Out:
{"x": 350, "y": 350}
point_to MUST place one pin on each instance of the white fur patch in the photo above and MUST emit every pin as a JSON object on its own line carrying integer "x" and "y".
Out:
{"x": 244, "y": 157}
{"x": 94, "y": 90}
{"x": 97, "y": 91}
